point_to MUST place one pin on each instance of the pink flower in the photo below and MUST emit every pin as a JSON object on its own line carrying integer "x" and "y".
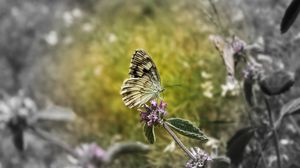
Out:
{"x": 154, "y": 114}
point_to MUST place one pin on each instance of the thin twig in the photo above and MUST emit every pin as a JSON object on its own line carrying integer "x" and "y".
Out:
{"x": 54, "y": 141}
{"x": 177, "y": 140}
{"x": 215, "y": 11}
{"x": 274, "y": 132}
{"x": 262, "y": 148}
{"x": 209, "y": 18}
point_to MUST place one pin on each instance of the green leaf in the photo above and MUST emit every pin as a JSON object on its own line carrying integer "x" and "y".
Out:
{"x": 149, "y": 133}
{"x": 186, "y": 128}
{"x": 237, "y": 144}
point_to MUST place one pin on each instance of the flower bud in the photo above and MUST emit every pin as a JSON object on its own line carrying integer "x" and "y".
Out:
{"x": 277, "y": 82}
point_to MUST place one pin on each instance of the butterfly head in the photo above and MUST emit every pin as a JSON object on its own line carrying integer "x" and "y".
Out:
{"x": 159, "y": 88}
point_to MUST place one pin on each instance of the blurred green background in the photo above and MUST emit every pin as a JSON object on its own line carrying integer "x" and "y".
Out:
{"x": 92, "y": 61}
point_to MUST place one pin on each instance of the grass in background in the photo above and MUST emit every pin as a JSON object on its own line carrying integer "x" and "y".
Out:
{"x": 88, "y": 73}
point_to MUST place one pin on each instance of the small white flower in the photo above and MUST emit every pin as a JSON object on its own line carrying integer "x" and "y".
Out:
{"x": 185, "y": 64}
{"x": 112, "y": 38}
{"x": 4, "y": 108}
{"x": 205, "y": 75}
{"x": 213, "y": 144}
{"x": 207, "y": 87}
{"x": 229, "y": 87}
{"x": 72, "y": 160}
{"x": 271, "y": 160}
{"x": 286, "y": 142}
{"x": 30, "y": 104}
{"x": 171, "y": 147}
{"x": 68, "y": 18}
{"x": 208, "y": 94}
{"x": 87, "y": 27}
{"x": 76, "y": 13}
{"x": 97, "y": 71}
{"x": 51, "y": 38}
{"x": 15, "y": 12}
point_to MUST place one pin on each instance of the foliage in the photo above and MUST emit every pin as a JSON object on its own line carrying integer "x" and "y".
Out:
{"x": 186, "y": 128}
{"x": 92, "y": 55}
{"x": 237, "y": 144}
{"x": 89, "y": 71}
{"x": 149, "y": 133}
{"x": 290, "y": 16}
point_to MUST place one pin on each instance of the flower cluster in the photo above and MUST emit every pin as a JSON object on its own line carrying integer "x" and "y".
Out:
{"x": 154, "y": 113}
{"x": 250, "y": 71}
{"x": 231, "y": 87}
{"x": 238, "y": 45}
{"x": 89, "y": 155}
{"x": 201, "y": 159}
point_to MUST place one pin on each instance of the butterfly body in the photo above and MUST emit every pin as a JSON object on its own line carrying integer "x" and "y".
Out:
{"x": 144, "y": 82}
{"x": 231, "y": 51}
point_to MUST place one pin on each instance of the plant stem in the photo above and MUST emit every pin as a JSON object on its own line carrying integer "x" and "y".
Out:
{"x": 54, "y": 141}
{"x": 274, "y": 132}
{"x": 262, "y": 148}
{"x": 249, "y": 113}
{"x": 177, "y": 140}
{"x": 219, "y": 23}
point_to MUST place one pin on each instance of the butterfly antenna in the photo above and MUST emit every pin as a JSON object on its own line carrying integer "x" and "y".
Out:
{"x": 173, "y": 85}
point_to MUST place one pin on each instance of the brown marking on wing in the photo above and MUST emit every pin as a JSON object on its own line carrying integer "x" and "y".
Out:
{"x": 142, "y": 65}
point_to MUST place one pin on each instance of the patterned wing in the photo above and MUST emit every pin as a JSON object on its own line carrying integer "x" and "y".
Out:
{"x": 142, "y": 65}
{"x": 138, "y": 91}
{"x": 226, "y": 52}
{"x": 228, "y": 59}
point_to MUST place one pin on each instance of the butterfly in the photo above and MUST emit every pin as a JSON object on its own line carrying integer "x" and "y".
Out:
{"x": 229, "y": 50}
{"x": 144, "y": 82}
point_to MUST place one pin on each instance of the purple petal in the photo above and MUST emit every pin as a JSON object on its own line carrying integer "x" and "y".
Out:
{"x": 153, "y": 103}
{"x": 144, "y": 115}
{"x": 163, "y": 105}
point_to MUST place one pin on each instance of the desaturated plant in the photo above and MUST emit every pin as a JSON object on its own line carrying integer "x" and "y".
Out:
{"x": 263, "y": 82}
{"x": 20, "y": 115}
{"x": 91, "y": 155}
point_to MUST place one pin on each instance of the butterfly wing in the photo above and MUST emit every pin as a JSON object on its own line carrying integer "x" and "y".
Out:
{"x": 142, "y": 65}
{"x": 138, "y": 91}
{"x": 226, "y": 52}
{"x": 228, "y": 59}
{"x": 144, "y": 82}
